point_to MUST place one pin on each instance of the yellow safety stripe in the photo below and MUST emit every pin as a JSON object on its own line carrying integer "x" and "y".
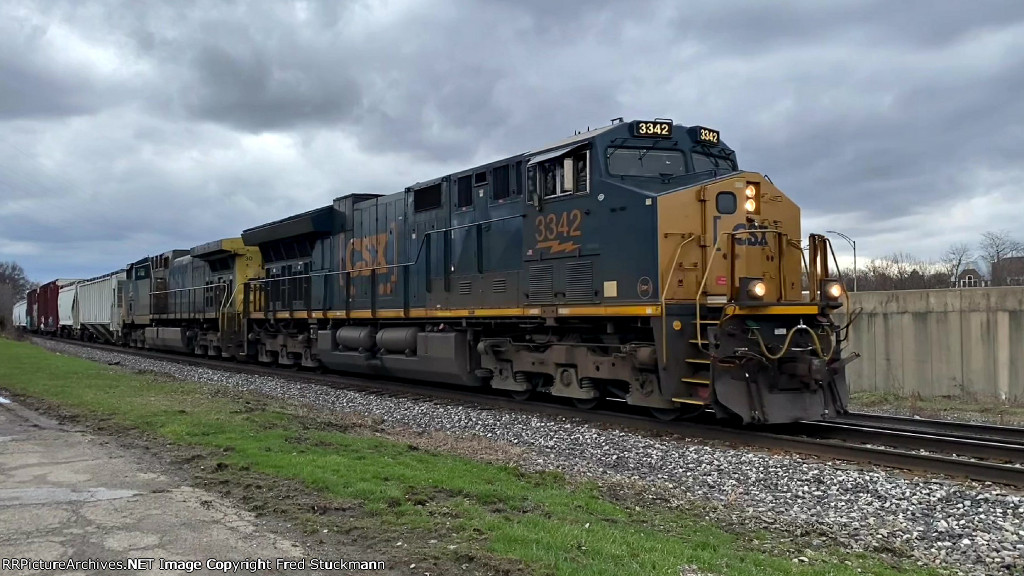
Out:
{"x": 475, "y": 313}
{"x": 622, "y": 310}
{"x": 812, "y": 309}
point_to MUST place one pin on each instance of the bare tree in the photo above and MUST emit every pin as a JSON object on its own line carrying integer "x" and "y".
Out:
{"x": 954, "y": 260}
{"x": 7, "y": 301}
{"x": 905, "y": 270}
{"x": 901, "y": 271}
{"x": 998, "y": 245}
{"x": 13, "y": 275}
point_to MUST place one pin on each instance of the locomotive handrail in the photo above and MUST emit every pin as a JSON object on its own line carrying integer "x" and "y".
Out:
{"x": 231, "y": 298}
{"x": 152, "y": 292}
{"x": 388, "y": 266}
{"x": 664, "y": 294}
{"x": 373, "y": 269}
{"x": 707, "y": 268}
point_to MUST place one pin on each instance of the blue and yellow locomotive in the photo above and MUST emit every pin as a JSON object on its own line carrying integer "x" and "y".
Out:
{"x": 633, "y": 262}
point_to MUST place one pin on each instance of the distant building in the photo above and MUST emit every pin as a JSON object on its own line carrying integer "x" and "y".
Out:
{"x": 974, "y": 275}
{"x": 982, "y": 274}
{"x": 971, "y": 278}
{"x": 1008, "y": 272}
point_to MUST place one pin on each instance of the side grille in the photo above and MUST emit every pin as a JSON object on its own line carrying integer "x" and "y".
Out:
{"x": 542, "y": 283}
{"x": 579, "y": 281}
{"x": 465, "y": 287}
{"x": 499, "y": 286}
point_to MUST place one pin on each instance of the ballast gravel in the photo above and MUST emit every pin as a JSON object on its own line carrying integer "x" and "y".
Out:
{"x": 975, "y": 529}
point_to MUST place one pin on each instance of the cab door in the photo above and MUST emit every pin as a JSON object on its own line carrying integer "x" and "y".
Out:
{"x": 724, "y": 214}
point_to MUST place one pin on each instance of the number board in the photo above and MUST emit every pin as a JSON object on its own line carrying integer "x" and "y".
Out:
{"x": 654, "y": 129}
{"x": 707, "y": 135}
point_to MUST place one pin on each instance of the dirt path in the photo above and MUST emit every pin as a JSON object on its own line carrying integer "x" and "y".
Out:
{"x": 65, "y": 494}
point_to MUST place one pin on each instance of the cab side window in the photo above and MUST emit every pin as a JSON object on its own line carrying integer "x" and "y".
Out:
{"x": 582, "y": 170}
{"x": 563, "y": 175}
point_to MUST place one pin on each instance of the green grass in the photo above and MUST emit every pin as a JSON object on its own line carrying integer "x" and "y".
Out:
{"x": 539, "y": 522}
{"x": 991, "y": 410}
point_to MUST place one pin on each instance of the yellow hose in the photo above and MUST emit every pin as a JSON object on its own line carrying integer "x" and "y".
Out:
{"x": 789, "y": 337}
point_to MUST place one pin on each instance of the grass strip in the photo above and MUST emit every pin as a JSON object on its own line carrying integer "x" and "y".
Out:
{"x": 539, "y": 522}
{"x": 952, "y": 407}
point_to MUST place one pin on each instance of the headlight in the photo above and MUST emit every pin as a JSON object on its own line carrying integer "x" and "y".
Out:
{"x": 753, "y": 193}
{"x": 834, "y": 290}
{"x": 757, "y": 289}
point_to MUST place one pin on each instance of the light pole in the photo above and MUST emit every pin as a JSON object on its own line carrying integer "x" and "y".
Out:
{"x": 854, "y": 245}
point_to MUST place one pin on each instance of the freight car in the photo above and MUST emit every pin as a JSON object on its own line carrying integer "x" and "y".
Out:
{"x": 45, "y": 302}
{"x": 31, "y": 310}
{"x": 67, "y": 311}
{"x": 20, "y": 311}
{"x": 100, "y": 304}
{"x": 634, "y": 262}
{"x": 188, "y": 300}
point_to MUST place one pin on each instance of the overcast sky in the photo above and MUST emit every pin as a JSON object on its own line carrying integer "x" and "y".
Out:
{"x": 129, "y": 128}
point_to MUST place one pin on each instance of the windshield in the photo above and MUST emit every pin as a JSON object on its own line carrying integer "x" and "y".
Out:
{"x": 703, "y": 163}
{"x": 645, "y": 162}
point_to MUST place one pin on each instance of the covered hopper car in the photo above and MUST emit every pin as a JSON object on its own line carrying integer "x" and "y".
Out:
{"x": 20, "y": 311}
{"x": 100, "y": 304}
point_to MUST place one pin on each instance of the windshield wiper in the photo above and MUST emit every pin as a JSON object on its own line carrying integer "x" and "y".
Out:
{"x": 654, "y": 144}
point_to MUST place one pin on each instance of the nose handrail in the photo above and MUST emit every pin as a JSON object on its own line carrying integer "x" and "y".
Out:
{"x": 779, "y": 235}
{"x": 664, "y": 294}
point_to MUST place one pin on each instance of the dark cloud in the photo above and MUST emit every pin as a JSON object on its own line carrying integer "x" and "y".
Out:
{"x": 167, "y": 124}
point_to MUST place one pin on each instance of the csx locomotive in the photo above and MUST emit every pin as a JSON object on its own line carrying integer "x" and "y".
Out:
{"x": 633, "y": 262}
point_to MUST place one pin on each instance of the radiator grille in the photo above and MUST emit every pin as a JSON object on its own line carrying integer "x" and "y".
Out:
{"x": 465, "y": 287}
{"x": 499, "y": 286}
{"x": 579, "y": 281}
{"x": 542, "y": 283}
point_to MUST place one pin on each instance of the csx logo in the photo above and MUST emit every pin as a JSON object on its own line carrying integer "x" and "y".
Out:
{"x": 365, "y": 254}
{"x": 751, "y": 238}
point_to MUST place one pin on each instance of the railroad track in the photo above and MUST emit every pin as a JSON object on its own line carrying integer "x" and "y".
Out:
{"x": 958, "y": 451}
{"x": 967, "y": 430}
{"x": 977, "y": 452}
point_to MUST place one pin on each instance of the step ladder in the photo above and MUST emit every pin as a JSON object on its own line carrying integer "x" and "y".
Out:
{"x": 698, "y": 356}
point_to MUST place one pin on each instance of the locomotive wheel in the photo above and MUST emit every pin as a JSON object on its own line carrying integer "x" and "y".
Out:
{"x": 669, "y": 414}
{"x": 585, "y": 403}
{"x": 666, "y": 414}
{"x": 521, "y": 395}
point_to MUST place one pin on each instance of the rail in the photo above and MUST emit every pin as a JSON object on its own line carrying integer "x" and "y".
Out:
{"x": 972, "y": 430}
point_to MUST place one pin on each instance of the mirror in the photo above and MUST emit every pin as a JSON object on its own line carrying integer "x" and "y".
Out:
{"x": 531, "y": 186}
{"x": 567, "y": 175}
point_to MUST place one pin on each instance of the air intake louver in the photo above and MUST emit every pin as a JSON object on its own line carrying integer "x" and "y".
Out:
{"x": 579, "y": 281}
{"x": 542, "y": 283}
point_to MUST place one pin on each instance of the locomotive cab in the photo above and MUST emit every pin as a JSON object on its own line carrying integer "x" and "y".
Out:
{"x": 663, "y": 220}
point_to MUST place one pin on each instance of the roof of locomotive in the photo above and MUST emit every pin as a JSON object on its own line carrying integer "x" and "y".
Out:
{"x": 622, "y": 130}
{"x": 318, "y": 220}
{"x": 574, "y": 139}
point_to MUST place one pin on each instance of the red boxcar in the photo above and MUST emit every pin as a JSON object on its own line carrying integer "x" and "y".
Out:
{"x": 31, "y": 311}
{"x": 46, "y": 311}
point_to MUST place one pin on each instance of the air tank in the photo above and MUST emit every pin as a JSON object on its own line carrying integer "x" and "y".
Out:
{"x": 356, "y": 337}
{"x": 398, "y": 339}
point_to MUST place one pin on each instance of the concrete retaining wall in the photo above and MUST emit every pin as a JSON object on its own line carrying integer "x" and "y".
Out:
{"x": 940, "y": 342}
